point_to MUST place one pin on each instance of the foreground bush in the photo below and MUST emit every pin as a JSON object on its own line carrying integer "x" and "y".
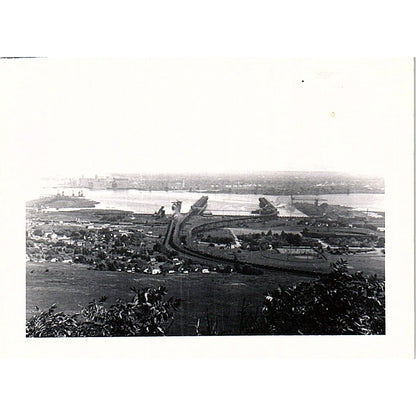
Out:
{"x": 338, "y": 304}
{"x": 147, "y": 313}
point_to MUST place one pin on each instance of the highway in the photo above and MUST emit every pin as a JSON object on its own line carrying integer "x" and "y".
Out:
{"x": 172, "y": 241}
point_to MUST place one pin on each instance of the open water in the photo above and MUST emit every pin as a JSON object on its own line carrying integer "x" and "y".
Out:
{"x": 227, "y": 204}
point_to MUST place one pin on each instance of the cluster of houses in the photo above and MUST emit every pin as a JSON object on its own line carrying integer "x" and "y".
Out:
{"x": 106, "y": 247}
{"x": 176, "y": 265}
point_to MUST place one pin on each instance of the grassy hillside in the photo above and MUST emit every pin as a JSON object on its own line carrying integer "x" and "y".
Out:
{"x": 215, "y": 297}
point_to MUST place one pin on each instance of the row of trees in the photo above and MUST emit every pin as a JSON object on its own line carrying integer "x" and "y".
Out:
{"x": 256, "y": 241}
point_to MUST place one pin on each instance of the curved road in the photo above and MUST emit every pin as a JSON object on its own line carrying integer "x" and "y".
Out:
{"x": 171, "y": 241}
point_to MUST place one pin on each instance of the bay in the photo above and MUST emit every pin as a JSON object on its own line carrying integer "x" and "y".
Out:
{"x": 218, "y": 203}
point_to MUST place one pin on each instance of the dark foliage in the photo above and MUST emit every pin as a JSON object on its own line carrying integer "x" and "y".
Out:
{"x": 339, "y": 304}
{"x": 248, "y": 269}
{"x": 147, "y": 313}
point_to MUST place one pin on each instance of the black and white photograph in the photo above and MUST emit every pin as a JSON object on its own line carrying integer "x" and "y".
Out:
{"x": 183, "y": 197}
{"x": 207, "y": 208}
{"x": 205, "y": 197}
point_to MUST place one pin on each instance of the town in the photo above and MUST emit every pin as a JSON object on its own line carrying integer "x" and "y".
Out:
{"x": 137, "y": 243}
{"x": 105, "y": 240}
{"x": 267, "y": 183}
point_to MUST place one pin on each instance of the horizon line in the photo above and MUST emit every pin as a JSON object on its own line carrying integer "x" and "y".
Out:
{"x": 230, "y": 173}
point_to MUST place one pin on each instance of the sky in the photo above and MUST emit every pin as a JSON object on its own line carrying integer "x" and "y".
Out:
{"x": 72, "y": 117}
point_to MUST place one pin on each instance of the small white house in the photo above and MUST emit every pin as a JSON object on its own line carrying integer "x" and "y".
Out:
{"x": 53, "y": 236}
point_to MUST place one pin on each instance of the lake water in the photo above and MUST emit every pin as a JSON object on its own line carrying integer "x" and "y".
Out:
{"x": 227, "y": 204}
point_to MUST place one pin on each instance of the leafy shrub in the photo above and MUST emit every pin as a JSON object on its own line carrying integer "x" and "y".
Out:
{"x": 338, "y": 304}
{"x": 52, "y": 324}
{"x": 147, "y": 313}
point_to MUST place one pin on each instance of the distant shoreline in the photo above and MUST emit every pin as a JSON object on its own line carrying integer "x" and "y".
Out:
{"x": 61, "y": 202}
{"x": 231, "y": 192}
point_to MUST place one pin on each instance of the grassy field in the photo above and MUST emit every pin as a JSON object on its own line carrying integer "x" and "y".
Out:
{"x": 217, "y": 296}
{"x": 368, "y": 263}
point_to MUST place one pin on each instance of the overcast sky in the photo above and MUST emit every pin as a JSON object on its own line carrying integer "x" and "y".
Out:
{"x": 74, "y": 117}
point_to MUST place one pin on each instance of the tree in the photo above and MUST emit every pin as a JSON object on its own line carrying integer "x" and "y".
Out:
{"x": 157, "y": 246}
{"x": 338, "y": 304}
{"x": 101, "y": 255}
{"x": 147, "y": 313}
